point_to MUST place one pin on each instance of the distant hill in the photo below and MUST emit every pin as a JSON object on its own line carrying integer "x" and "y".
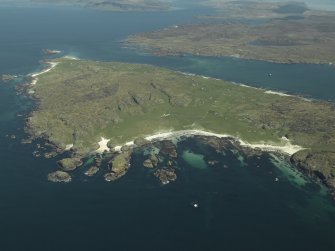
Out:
{"x": 113, "y": 5}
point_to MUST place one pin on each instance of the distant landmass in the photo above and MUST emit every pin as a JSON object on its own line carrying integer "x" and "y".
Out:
{"x": 284, "y": 33}
{"x": 113, "y": 5}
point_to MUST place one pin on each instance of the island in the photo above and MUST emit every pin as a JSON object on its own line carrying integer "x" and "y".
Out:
{"x": 111, "y": 108}
{"x": 51, "y": 52}
{"x": 275, "y": 32}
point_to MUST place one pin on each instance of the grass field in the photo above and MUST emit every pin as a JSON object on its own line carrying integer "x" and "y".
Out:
{"x": 81, "y": 101}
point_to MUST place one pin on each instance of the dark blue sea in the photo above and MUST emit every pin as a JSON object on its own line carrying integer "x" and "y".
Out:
{"x": 256, "y": 203}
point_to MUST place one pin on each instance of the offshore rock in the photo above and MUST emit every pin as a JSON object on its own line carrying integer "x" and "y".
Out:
{"x": 151, "y": 162}
{"x": 168, "y": 148}
{"x": 59, "y": 176}
{"x": 119, "y": 166}
{"x": 49, "y": 155}
{"x": 166, "y": 175}
{"x": 114, "y": 176}
{"x": 69, "y": 164}
{"x": 7, "y": 78}
{"x": 92, "y": 171}
{"x": 50, "y": 52}
{"x": 148, "y": 164}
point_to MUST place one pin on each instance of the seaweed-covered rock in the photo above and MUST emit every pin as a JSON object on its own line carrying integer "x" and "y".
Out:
{"x": 69, "y": 164}
{"x": 59, "y": 176}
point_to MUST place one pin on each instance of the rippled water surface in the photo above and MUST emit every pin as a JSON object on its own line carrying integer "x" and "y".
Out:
{"x": 255, "y": 203}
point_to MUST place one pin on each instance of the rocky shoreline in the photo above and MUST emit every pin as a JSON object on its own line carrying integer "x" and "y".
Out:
{"x": 161, "y": 159}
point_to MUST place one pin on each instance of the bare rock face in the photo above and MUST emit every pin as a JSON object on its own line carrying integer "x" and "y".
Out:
{"x": 59, "y": 176}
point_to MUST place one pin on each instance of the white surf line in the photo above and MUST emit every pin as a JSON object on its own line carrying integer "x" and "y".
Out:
{"x": 278, "y": 93}
{"x": 285, "y": 147}
{"x": 35, "y": 75}
{"x": 247, "y": 86}
{"x": 71, "y": 57}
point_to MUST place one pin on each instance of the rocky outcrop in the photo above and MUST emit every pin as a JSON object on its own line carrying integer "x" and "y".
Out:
{"x": 151, "y": 162}
{"x": 50, "y": 52}
{"x": 92, "y": 171}
{"x": 141, "y": 142}
{"x": 118, "y": 166}
{"x": 320, "y": 164}
{"x": 168, "y": 148}
{"x": 7, "y": 78}
{"x": 69, "y": 164}
{"x": 148, "y": 164}
{"x": 166, "y": 175}
{"x": 59, "y": 176}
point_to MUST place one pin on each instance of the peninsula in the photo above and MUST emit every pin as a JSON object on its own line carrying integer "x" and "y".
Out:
{"x": 89, "y": 106}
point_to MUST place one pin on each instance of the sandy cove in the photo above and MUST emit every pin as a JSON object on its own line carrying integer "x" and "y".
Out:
{"x": 35, "y": 75}
{"x": 286, "y": 147}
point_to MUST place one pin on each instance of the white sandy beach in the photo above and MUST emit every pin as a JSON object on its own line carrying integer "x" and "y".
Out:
{"x": 103, "y": 145}
{"x": 35, "y": 75}
{"x": 284, "y": 147}
{"x": 278, "y": 93}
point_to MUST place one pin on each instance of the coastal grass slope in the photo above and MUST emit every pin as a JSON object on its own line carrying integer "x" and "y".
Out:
{"x": 80, "y": 102}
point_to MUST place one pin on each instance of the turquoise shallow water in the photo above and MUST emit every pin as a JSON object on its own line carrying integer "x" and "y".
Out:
{"x": 241, "y": 205}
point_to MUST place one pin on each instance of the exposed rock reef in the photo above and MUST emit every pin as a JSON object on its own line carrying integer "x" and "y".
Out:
{"x": 7, "y": 78}
{"x": 166, "y": 175}
{"x": 59, "y": 176}
{"x": 50, "y": 52}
